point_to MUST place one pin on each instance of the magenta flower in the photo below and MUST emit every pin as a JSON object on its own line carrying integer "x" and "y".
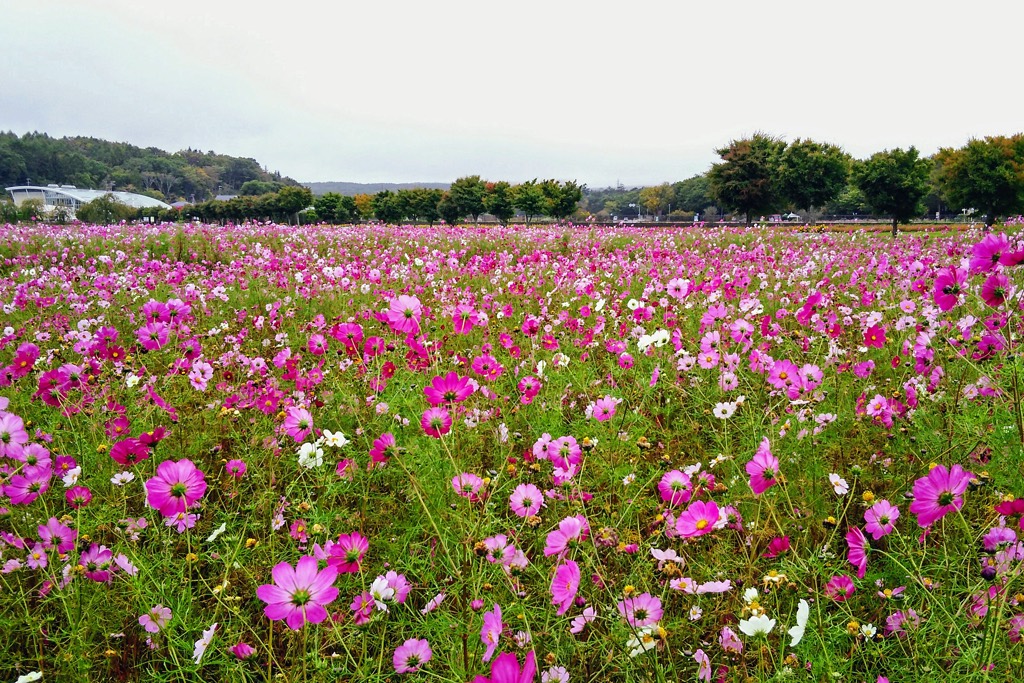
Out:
{"x": 436, "y": 422}
{"x": 874, "y": 336}
{"x": 491, "y": 631}
{"x": 698, "y": 519}
{"x": 242, "y": 650}
{"x": 236, "y": 468}
{"x": 570, "y": 530}
{"x": 526, "y": 500}
{"x": 776, "y": 547}
{"x": 949, "y": 284}
{"x": 176, "y": 487}
{"x": 129, "y": 451}
{"x": 404, "y": 315}
{"x": 153, "y": 336}
{"x": 604, "y": 408}
{"x": 858, "y": 550}
{"x": 362, "y": 608}
{"x": 448, "y": 389}
{"x": 641, "y": 610}
{"x": 939, "y": 493}
{"x": 12, "y": 432}
{"x": 763, "y": 468}
{"x": 299, "y": 594}
{"x": 348, "y": 552}
{"x": 986, "y": 254}
{"x": 564, "y": 586}
{"x": 96, "y": 561}
{"x": 411, "y": 655}
{"x": 467, "y": 485}
{"x": 23, "y": 489}
{"x": 505, "y": 669}
{"x": 881, "y": 519}
{"x": 675, "y": 488}
{"x": 298, "y": 423}
{"x": 996, "y": 289}
{"x": 382, "y": 446}
{"x": 54, "y": 534}
{"x": 464, "y": 318}
{"x": 839, "y": 588}
{"x": 156, "y": 619}
{"x": 78, "y": 496}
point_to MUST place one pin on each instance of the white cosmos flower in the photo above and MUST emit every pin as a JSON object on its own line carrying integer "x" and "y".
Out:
{"x": 381, "y": 591}
{"x": 632, "y": 304}
{"x": 839, "y": 484}
{"x": 642, "y": 640}
{"x": 757, "y": 626}
{"x": 749, "y": 595}
{"x": 310, "y": 456}
{"x": 335, "y": 439}
{"x": 724, "y": 411}
{"x": 803, "y": 611}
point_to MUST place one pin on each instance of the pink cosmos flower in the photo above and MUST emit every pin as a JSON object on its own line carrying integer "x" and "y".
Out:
{"x": 362, "y": 608}
{"x": 298, "y": 423}
{"x": 78, "y": 496}
{"x": 467, "y": 485}
{"x": 348, "y": 552}
{"x": 242, "y": 650}
{"x": 382, "y": 446}
{"x": 703, "y": 666}
{"x": 564, "y": 586}
{"x": 299, "y": 594}
{"x": 986, "y": 254}
{"x": 858, "y": 550}
{"x": 235, "y": 468}
{"x": 411, "y": 655}
{"x": 464, "y": 319}
{"x": 569, "y": 530}
{"x": 37, "y": 558}
{"x": 604, "y": 408}
{"x": 675, "y": 488}
{"x": 96, "y": 561}
{"x": 939, "y": 493}
{"x": 776, "y": 547}
{"x": 54, "y": 534}
{"x": 698, "y": 519}
{"x": 404, "y": 315}
{"x": 491, "y": 631}
{"x": 641, "y": 610}
{"x": 580, "y": 622}
{"x": 153, "y": 336}
{"x": 526, "y": 500}
{"x": 506, "y": 669}
{"x": 128, "y": 452}
{"x": 763, "y": 468}
{"x": 12, "y": 432}
{"x": 448, "y": 389}
{"x": 874, "y": 336}
{"x": 23, "y": 489}
{"x": 436, "y": 422}
{"x": 949, "y": 284}
{"x": 156, "y": 619}
{"x": 996, "y": 289}
{"x": 730, "y": 641}
{"x": 881, "y": 519}
{"x": 176, "y": 487}
{"x": 839, "y": 588}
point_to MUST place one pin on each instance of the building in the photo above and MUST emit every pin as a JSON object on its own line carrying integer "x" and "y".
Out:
{"x": 71, "y": 198}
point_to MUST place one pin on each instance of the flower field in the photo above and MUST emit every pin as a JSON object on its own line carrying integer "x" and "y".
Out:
{"x": 381, "y": 453}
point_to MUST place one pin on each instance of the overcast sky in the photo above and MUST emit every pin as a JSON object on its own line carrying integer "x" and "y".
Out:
{"x": 636, "y": 92}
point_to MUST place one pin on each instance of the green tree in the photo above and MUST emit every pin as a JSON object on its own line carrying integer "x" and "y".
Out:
{"x": 894, "y": 183}
{"x": 105, "y": 210}
{"x": 562, "y": 199}
{"x": 449, "y": 209}
{"x": 657, "y": 199}
{"x": 258, "y": 187}
{"x": 387, "y": 207}
{"x": 812, "y": 173}
{"x": 498, "y": 201}
{"x": 529, "y": 198}
{"x": 468, "y": 193}
{"x": 692, "y": 194}
{"x": 291, "y": 200}
{"x": 987, "y": 175}
{"x": 748, "y": 180}
{"x": 421, "y": 203}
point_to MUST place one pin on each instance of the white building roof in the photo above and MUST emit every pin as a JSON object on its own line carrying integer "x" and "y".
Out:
{"x": 136, "y": 201}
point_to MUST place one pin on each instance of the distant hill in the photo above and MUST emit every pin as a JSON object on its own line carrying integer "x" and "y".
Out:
{"x": 193, "y": 175}
{"x": 352, "y": 189}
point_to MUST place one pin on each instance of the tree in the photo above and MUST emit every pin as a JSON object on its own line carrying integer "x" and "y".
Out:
{"x": 421, "y": 203}
{"x": 451, "y": 212}
{"x": 468, "y": 194}
{"x": 258, "y": 187}
{"x": 105, "y": 210}
{"x": 692, "y": 194}
{"x": 387, "y": 207}
{"x": 292, "y": 200}
{"x": 498, "y": 201}
{"x": 364, "y": 204}
{"x": 987, "y": 175}
{"x": 657, "y": 199}
{"x": 529, "y": 198}
{"x": 812, "y": 173}
{"x": 562, "y": 198}
{"x": 893, "y": 183}
{"x": 748, "y": 178}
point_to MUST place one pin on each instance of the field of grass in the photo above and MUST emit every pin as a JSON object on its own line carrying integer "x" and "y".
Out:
{"x": 377, "y": 453}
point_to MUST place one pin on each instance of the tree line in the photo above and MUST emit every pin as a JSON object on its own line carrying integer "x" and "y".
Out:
{"x": 189, "y": 175}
